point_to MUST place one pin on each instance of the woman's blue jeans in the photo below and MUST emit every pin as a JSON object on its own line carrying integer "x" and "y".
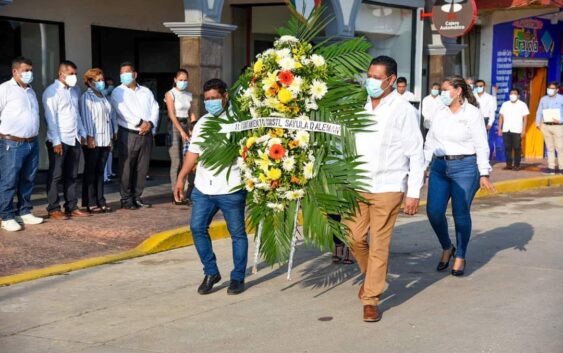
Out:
{"x": 457, "y": 180}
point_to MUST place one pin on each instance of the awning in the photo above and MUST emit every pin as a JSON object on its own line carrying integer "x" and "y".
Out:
{"x": 505, "y": 4}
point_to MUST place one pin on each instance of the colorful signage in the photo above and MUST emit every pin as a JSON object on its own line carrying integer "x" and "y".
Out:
{"x": 531, "y": 40}
{"x": 454, "y": 18}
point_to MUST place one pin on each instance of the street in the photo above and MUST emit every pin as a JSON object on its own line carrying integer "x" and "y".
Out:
{"x": 509, "y": 301}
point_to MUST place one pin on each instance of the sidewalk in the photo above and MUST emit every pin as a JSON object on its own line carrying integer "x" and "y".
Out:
{"x": 56, "y": 242}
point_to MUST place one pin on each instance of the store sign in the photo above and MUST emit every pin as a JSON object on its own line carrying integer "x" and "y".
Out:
{"x": 454, "y": 18}
{"x": 532, "y": 40}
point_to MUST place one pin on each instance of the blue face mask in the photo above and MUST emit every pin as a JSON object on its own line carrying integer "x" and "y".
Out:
{"x": 27, "y": 77}
{"x": 182, "y": 85}
{"x": 126, "y": 78}
{"x": 446, "y": 98}
{"x": 100, "y": 86}
{"x": 373, "y": 87}
{"x": 479, "y": 90}
{"x": 435, "y": 92}
{"x": 214, "y": 106}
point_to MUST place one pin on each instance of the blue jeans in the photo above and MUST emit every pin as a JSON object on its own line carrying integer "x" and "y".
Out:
{"x": 232, "y": 206}
{"x": 18, "y": 165}
{"x": 458, "y": 180}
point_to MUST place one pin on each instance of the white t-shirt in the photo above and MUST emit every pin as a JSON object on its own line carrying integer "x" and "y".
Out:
{"x": 513, "y": 114}
{"x": 209, "y": 181}
{"x": 408, "y": 95}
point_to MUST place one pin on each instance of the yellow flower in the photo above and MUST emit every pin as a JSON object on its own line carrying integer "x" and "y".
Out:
{"x": 262, "y": 178}
{"x": 281, "y": 107}
{"x": 297, "y": 64}
{"x": 274, "y": 174}
{"x": 258, "y": 65}
{"x": 249, "y": 185}
{"x": 284, "y": 96}
{"x": 251, "y": 141}
{"x": 277, "y": 132}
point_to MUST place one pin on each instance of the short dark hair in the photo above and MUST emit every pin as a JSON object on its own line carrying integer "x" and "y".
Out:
{"x": 181, "y": 71}
{"x": 402, "y": 80}
{"x": 480, "y": 81}
{"x": 389, "y": 63}
{"x": 67, "y": 63}
{"x": 436, "y": 84}
{"x": 127, "y": 63}
{"x": 16, "y": 62}
{"x": 514, "y": 89}
{"x": 552, "y": 83}
{"x": 215, "y": 84}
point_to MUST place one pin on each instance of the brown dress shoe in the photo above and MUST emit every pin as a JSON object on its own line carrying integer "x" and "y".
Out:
{"x": 58, "y": 215}
{"x": 78, "y": 213}
{"x": 371, "y": 313}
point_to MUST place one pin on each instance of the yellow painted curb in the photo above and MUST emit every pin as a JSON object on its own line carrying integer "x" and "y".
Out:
{"x": 181, "y": 237}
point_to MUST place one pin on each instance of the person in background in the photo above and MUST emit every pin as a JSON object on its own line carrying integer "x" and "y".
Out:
{"x": 19, "y": 150}
{"x": 213, "y": 192}
{"x": 430, "y": 105}
{"x": 179, "y": 104}
{"x": 470, "y": 81}
{"x": 552, "y": 105}
{"x": 457, "y": 152}
{"x": 513, "y": 116}
{"x": 65, "y": 134}
{"x": 137, "y": 117}
{"x": 487, "y": 103}
{"x": 108, "y": 172}
{"x": 402, "y": 89}
{"x": 99, "y": 121}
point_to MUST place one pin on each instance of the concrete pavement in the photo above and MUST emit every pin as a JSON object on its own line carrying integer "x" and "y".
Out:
{"x": 510, "y": 301}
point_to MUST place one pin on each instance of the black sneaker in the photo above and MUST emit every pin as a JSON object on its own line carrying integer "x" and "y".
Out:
{"x": 235, "y": 287}
{"x": 549, "y": 171}
{"x": 207, "y": 285}
{"x": 129, "y": 205}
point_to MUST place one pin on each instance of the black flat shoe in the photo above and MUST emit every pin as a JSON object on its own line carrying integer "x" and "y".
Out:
{"x": 142, "y": 204}
{"x": 207, "y": 285}
{"x": 444, "y": 265}
{"x": 129, "y": 206}
{"x": 235, "y": 287}
{"x": 459, "y": 273}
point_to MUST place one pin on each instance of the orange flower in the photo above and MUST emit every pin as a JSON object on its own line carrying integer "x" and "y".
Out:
{"x": 285, "y": 77}
{"x": 277, "y": 151}
{"x": 293, "y": 144}
{"x": 244, "y": 153}
{"x": 273, "y": 90}
{"x": 275, "y": 184}
{"x": 295, "y": 180}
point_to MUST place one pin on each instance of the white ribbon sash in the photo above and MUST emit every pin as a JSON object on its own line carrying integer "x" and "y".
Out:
{"x": 284, "y": 123}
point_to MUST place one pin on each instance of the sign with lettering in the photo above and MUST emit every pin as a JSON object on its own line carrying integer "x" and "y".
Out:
{"x": 284, "y": 123}
{"x": 531, "y": 39}
{"x": 454, "y": 18}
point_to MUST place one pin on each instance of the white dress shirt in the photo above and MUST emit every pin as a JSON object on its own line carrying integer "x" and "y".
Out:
{"x": 487, "y": 106}
{"x": 62, "y": 115}
{"x": 98, "y": 118}
{"x": 133, "y": 106}
{"x": 408, "y": 95}
{"x": 458, "y": 133}
{"x": 391, "y": 149}
{"x": 430, "y": 105}
{"x": 513, "y": 116}
{"x": 208, "y": 181}
{"x": 19, "y": 110}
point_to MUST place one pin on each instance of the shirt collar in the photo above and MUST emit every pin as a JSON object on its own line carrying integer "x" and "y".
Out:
{"x": 60, "y": 84}
{"x": 385, "y": 101}
{"x": 15, "y": 83}
{"x": 138, "y": 87}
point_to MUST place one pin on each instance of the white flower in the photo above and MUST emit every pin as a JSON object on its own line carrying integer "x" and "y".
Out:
{"x": 318, "y": 89}
{"x": 310, "y": 104}
{"x": 248, "y": 175}
{"x": 303, "y": 137}
{"x": 287, "y": 63}
{"x": 248, "y": 92}
{"x": 295, "y": 86}
{"x": 308, "y": 170}
{"x": 294, "y": 194}
{"x": 262, "y": 139}
{"x": 241, "y": 164}
{"x": 317, "y": 60}
{"x": 268, "y": 52}
{"x": 254, "y": 113}
{"x": 303, "y": 117}
{"x": 287, "y": 39}
{"x": 274, "y": 141}
{"x": 288, "y": 164}
{"x": 263, "y": 186}
{"x": 283, "y": 53}
{"x": 271, "y": 102}
{"x": 277, "y": 207}
{"x": 305, "y": 61}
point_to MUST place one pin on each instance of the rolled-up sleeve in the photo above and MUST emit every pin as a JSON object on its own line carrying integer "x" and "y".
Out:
{"x": 413, "y": 150}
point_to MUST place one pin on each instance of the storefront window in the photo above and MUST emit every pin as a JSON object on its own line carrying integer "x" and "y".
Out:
{"x": 390, "y": 31}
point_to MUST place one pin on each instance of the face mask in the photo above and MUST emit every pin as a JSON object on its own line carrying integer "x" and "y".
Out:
{"x": 182, "y": 85}
{"x": 27, "y": 77}
{"x": 214, "y": 106}
{"x": 435, "y": 92}
{"x": 480, "y": 89}
{"x": 126, "y": 78}
{"x": 513, "y": 98}
{"x": 373, "y": 87}
{"x": 446, "y": 98}
{"x": 71, "y": 80}
{"x": 551, "y": 92}
{"x": 100, "y": 86}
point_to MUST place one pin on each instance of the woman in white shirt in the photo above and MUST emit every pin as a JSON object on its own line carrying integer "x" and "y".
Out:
{"x": 179, "y": 103}
{"x": 98, "y": 118}
{"x": 458, "y": 151}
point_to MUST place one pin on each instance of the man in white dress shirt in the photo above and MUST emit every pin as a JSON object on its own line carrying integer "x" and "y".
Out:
{"x": 513, "y": 117}
{"x": 392, "y": 153}
{"x": 402, "y": 89}
{"x": 19, "y": 150}
{"x": 65, "y": 134}
{"x": 430, "y": 104}
{"x": 137, "y": 117}
{"x": 487, "y": 103}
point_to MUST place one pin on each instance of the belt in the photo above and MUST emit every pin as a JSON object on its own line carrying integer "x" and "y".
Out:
{"x": 185, "y": 120}
{"x": 551, "y": 124}
{"x": 455, "y": 157}
{"x": 17, "y": 139}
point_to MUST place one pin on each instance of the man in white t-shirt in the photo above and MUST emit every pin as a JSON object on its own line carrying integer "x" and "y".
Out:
{"x": 430, "y": 104}
{"x": 513, "y": 116}
{"x": 213, "y": 192}
{"x": 402, "y": 89}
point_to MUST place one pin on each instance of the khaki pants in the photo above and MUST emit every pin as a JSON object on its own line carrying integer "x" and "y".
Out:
{"x": 553, "y": 136}
{"x": 379, "y": 219}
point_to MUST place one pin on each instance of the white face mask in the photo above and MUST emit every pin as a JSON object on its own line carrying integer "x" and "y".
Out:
{"x": 513, "y": 98}
{"x": 551, "y": 92}
{"x": 71, "y": 80}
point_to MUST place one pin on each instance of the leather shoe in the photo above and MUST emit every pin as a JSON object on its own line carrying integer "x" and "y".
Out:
{"x": 142, "y": 204}
{"x": 78, "y": 213}
{"x": 58, "y": 215}
{"x": 371, "y": 313}
{"x": 235, "y": 287}
{"x": 129, "y": 206}
{"x": 207, "y": 285}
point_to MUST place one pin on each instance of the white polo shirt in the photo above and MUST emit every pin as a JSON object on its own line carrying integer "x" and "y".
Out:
{"x": 209, "y": 181}
{"x": 513, "y": 114}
